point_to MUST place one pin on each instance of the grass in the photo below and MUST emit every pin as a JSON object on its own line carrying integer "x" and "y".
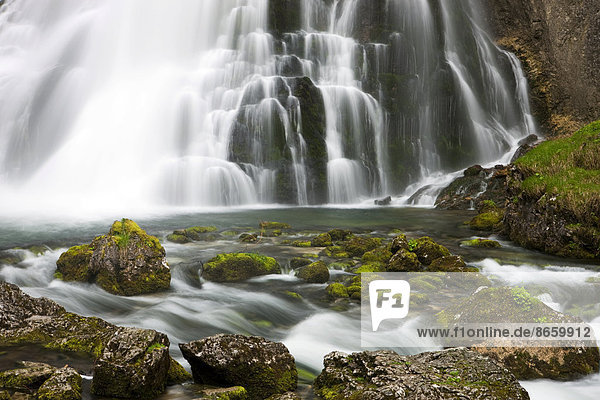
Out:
{"x": 567, "y": 168}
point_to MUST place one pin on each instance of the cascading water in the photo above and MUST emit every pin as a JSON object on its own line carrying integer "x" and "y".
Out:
{"x": 229, "y": 102}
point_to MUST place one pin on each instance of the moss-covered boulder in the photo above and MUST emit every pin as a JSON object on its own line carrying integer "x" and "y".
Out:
{"x": 381, "y": 254}
{"x": 449, "y": 374}
{"x": 400, "y": 242}
{"x": 268, "y": 225}
{"x": 339, "y": 235}
{"x": 178, "y": 237}
{"x": 248, "y": 238}
{"x": 143, "y": 375}
{"x": 322, "y": 240}
{"x": 404, "y": 261}
{"x": 126, "y": 262}
{"x": 316, "y": 272}
{"x": 356, "y": 246}
{"x": 262, "y": 367}
{"x": 450, "y": 264}
{"x": 126, "y": 360}
{"x": 515, "y": 305}
{"x": 481, "y": 243}
{"x": 298, "y": 262}
{"x": 427, "y": 249}
{"x": 337, "y": 291}
{"x": 27, "y": 378}
{"x": 64, "y": 384}
{"x": 336, "y": 252}
{"x": 236, "y": 267}
{"x": 489, "y": 217}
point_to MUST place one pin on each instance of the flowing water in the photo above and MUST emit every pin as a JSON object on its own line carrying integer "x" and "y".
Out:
{"x": 311, "y": 327}
{"x": 145, "y": 103}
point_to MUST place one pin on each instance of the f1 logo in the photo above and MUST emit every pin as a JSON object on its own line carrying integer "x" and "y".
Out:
{"x": 389, "y": 300}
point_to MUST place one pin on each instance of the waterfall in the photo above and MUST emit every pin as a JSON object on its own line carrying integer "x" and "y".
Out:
{"x": 239, "y": 102}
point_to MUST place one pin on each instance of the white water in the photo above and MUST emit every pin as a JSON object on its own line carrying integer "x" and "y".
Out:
{"x": 131, "y": 104}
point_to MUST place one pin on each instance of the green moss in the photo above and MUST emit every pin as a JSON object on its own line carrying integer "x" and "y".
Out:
{"x": 370, "y": 267}
{"x": 428, "y": 250}
{"x": 274, "y": 225}
{"x": 322, "y": 240}
{"x": 300, "y": 243}
{"x": 339, "y": 235}
{"x": 293, "y": 295}
{"x": 487, "y": 221}
{"x": 234, "y": 267}
{"x": 482, "y": 243}
{"x": 73, "y": 265}
{"x": 593, "y": 279}
{"x": 155, "y": 346}
{"x": 178, "y": 238}
{"x": 201, "y": 229}
{"x": 177, "y": 374}
{"x": 381, "y": 254}
{"x": 337, "y": 291}
{"x": 316, "y": 272}
{"x": 357, "y": 246}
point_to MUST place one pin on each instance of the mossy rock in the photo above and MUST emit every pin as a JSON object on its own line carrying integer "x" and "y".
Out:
{"x": 231, "y": 393}
{"x": 316, "y": 272}
{"x": 370, "y": 267}
{"x": 125, "y": 262}
{"x": 404, "y": 261}
{"x": 196, "y": 232}
{"x": 335, "y": 252}
{"x": 236, "y": 267}
{"x": 398, "y": 243}
{"x": 248, "y": 238}
{"x": 294, "y": 295}
{"x": 298, "y": 262}
{"x": 177, "y": 374}
{"x": 301, "y": 243}
{"x": 64, "y": 384}
{"x": 30, "y": 376}
{"x": 450, "y": 264}
{"x": 272, "y": 233}
{"x": 357, "y": 246}
{"x": 481, "y": 243}
{"x": 427, "y": 250}
{"x": 322, "y": 240}
{"x": 266, "y": 225}
{"x": 337, "y": 291}
{"x": 178, "y": 238}
{"x": 382, "y": 254}
{"x": 339, "y": 235}
{"x": 487, "y": 221}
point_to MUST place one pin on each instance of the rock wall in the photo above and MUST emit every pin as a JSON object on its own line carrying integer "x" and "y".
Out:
{"x": 558, "y": 42}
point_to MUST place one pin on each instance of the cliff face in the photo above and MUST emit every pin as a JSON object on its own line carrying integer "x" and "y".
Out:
{"x": 558, "y": 42}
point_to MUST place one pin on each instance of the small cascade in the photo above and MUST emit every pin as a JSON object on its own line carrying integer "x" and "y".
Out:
{"x": 242, "y": 102}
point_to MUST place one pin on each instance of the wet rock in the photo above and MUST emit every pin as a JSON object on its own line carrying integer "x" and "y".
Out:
{"x": 298, "y": 262}
{"x": 248, "y": 238}
{"x": 118, "y": 352}
{"x": 231, "y": 393}
{"x": 482, "y": 243}
{"x": 489, "y": 218}
{"x": 127, "y": 262}
{"x": 64, "y": 384}
{"x": 133, "y": 364}
{"x": 316, "y": 272}
{"x": 384, "y": 202}
{"x": 262, "y": 367}
{"x": 177, "y": 374}
{"x": 273, "y": 225}
{"x": 178, "y": 237}
{"x": 516, "y": 305}
{"x": 337, "y": 291}
{"x": 235, "y": 267}
{"x": 322, "y": 240}
{"x": 524, "y": 146}
{"x": 404, "y": 261}
{"x": 29, "y": 377}
{"x": 399, "y": 242}
{"x": 475, "y": 186}
{"x": 381, "y": 255}
{"x": 450, "y": 264}
{"x": 356, "y": 246}
{"x": 427, "y": 250}
{"x": 450, "y": 374}
{"x": 338, "y": 235}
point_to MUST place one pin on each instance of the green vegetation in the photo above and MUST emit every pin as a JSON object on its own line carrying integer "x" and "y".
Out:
{"x": 482, "y": 243}
{"x": 568, "y": 168}
{"x": 234, "y": 267}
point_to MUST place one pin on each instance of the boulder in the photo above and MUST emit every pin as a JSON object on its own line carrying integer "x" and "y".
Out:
{"x": 127, "y": 262}
{"x": 338, "y": 235}
{"x": 481, "y": 243}
{"x": 398, "y": 243}
{"x": 126, "y": 360}
{"x": 449, "y": 374}
{"x": 322, "y": 240}
{"x": 356, "y": 246}
{"x": 516, "y": 305}
{"x": 236, "y": 267}
{"x": 489, "y": 217}
{"x": 427, "y": 250}
{"x": 262, "y": 367}
{"x": 231, "y": 393}
{"x": 381, "y": 254}
{"x": 404, "y": 261}
{"x": 133, "y": 364}
{"x": 64, "y": 384}
{"x": 29, "y": 377}
{"x": 450, "y": 264}
{"x": 298, "y": 262}
{"x": 316, "y": 272}
{"x": 337, "y": 291}
{"x": 384, "y": 202}
{"x": 266, "y": 225}
{"x": 248, "y": 238}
